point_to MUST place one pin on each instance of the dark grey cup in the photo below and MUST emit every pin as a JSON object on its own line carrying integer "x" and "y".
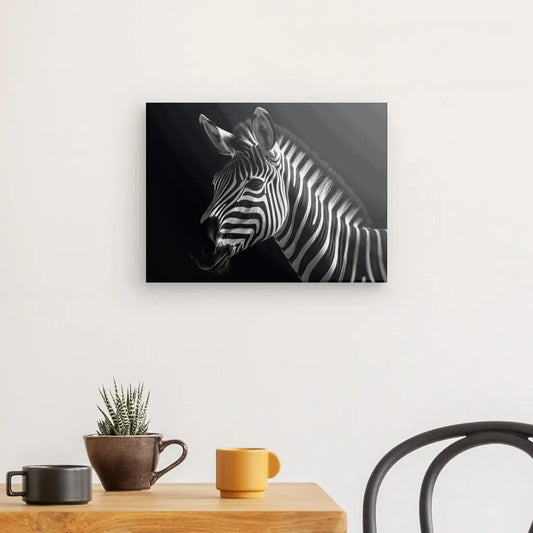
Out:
{"x": 52, "y": 484}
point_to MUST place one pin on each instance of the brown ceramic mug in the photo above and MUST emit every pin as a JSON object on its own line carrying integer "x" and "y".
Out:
{"x": 129, "y": 462}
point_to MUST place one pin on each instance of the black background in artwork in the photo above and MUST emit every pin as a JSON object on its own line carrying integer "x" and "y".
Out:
{"x": 180, "y": 164}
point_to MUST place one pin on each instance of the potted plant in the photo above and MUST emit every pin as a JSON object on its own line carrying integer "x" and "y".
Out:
{"x": 122, "y": 452}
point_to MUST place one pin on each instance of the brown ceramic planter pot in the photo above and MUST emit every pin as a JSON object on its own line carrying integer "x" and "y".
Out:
{"x": 129, "y": 462}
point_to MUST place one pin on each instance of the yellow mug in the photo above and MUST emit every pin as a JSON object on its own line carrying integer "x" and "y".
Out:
{"x": 244, "y": 472}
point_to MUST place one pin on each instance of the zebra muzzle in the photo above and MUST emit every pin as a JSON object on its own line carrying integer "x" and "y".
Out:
{"x": 213, "y": 258}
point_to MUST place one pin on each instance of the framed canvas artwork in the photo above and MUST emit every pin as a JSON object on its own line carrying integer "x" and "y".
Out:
{"x": 271, "y": 192}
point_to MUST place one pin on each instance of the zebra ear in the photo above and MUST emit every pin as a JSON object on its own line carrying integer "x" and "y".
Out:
{"x": 263, "y": 129}
{"x": 222, "y": 140}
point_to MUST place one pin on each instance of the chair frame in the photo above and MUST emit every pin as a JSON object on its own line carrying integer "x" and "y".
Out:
{"x": 474, "y": 434}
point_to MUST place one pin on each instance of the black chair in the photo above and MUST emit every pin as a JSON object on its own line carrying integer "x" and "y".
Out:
{"x": 474, "y": 434}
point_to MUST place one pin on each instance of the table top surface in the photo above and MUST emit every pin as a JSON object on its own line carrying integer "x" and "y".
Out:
{"x": 187, "y": 497}
{"x": 180, "y": 508}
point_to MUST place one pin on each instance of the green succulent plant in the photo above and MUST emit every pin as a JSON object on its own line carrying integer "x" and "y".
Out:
{"x": 125, "y": 412}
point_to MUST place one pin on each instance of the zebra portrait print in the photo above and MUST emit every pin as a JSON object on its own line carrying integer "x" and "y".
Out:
{"x": 267, "y": 192}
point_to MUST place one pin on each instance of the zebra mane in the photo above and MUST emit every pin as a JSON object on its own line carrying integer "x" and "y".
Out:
{"x": 331, "y": 178}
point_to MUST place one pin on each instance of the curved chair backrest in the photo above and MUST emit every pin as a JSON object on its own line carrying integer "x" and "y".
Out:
{"x": 474, "y": 434}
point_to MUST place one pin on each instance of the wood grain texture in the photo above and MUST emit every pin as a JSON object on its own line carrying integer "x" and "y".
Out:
{"x": 187, "y": 507}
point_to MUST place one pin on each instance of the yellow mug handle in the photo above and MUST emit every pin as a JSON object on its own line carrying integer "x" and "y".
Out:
{"x": 274, "y": 465}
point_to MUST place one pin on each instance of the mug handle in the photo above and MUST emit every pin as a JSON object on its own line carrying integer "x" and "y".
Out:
{"x": 9, "y": 476}
{"x": 162, "y": 445}
{"x": 274, "y": 465}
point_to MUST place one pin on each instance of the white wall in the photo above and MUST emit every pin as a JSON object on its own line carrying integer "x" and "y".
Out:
{"x": 330, "y": 377}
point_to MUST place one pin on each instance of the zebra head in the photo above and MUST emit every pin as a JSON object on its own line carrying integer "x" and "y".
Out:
{"x": 249, "y": 202}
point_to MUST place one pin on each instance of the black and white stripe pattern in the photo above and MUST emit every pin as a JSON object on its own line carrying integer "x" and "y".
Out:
{"x": 250, "y": 204}
{"x": 327, "y": 236}
{"x": 283, "y": 190}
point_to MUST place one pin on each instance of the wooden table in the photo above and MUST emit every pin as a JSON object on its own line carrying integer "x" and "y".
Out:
{"x": 184, "y": 507}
